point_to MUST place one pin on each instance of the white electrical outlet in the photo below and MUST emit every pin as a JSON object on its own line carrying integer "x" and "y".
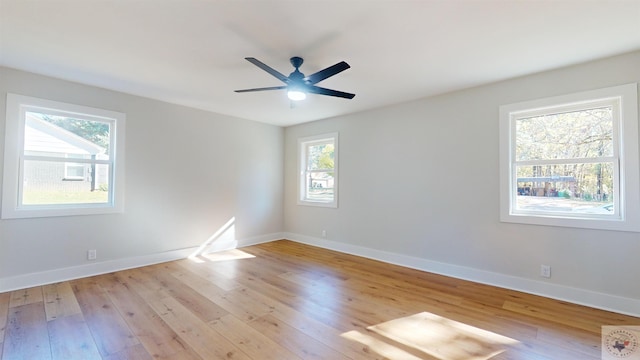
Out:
{"x": 545, "y": 271}
{"x": 324, "y": 233}
{"x": 91, "y": 254}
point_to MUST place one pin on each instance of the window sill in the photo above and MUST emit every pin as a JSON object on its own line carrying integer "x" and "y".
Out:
{"x": 318, "y": 204}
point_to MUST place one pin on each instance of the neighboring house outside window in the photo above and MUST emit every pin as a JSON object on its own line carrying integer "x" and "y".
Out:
{"x": 572, "y": 160}
{"x": 60, "y": 159}
{"x": 318, "y": 170}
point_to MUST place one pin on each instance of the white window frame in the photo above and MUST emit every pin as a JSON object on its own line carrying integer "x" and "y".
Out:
{"x": 17, "y": 107}
{"x": 303, "y": 144}
{"x": 626, "y": 216}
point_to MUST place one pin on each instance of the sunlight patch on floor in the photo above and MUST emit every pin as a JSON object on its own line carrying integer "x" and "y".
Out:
{"x": 234, "y": 254}
{"x": 436, "y": 336}
{"x": 380, "y": 347}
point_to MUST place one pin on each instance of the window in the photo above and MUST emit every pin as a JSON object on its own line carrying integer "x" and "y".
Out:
{"x": 61, "y": 159}
{"x": 572, "y": 160}
{"x": 318, "y": 176}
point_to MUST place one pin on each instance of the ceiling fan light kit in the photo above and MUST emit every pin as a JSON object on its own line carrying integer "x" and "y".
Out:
{"x": 297, "y": 84}
{"x": 296, "y": 95}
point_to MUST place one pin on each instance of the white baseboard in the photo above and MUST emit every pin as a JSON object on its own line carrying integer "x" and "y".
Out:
{"x": 94, "y": 268}
{"x": 589, "y": 298}
{"x": 104, "y": 267}
{"x": 255, "y": 240}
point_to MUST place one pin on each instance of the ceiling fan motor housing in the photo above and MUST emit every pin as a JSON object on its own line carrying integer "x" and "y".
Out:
{"x": 296, "y": 76}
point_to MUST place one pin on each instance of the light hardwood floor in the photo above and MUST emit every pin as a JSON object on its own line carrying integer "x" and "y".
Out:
{"x": 284, "y": 300}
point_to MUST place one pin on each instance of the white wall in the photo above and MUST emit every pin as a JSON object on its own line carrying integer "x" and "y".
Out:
{"x": 187, "y": 173}
{"x": 419, "y": 186}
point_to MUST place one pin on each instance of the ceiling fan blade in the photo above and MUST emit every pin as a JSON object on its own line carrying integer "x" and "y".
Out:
{"x": 323, "y": 91}
{"x": 262, "y": 89}
{"x": 268, "y": 69}
{"x": 328, "y": 72}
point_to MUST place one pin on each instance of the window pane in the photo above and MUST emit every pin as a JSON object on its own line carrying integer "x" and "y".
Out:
{"x": 58, "y": 136}
{"x": 45, "y": 184}
{"x": 567, "y": 135}
{"x": 320, "y": 186}
{"x": 581, "y": 188}
{"x": 320, "y": 156}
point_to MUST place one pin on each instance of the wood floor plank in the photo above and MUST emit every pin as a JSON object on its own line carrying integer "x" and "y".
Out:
{"x": 243, "y": 306}
{"x": 535, "y": 350}
{"x": 243, "y": 302}
{"x": 207, "y": 271}
{"x": 565, "y": 313}
{"x": 578, "y": 341}
{"x": 283, "y": 291}
{"x": 26, "y": 296}
{"x": 204, "y": 340}
{"x": 309, "y": 338}
{"x": 299, "y": 343}
{"x": 304, "y": 322}
{"x": 160, "y": 341}
{"x": 382, "y": 348}
{"x": 343, "y": 300}
{"x": 4, "y": 310}
{"x": 70, "y": 338}
{"x": 304, "y": 313}
{"x": 551, "y": 315}
{"x": 140, "y": 281}
{"x": 376, "y": 294}
{"x": 312, "y": 320}
{"x": 26, "y": 335}
{"x": 249, "y": 340}
{"x": 160, "y": 275}
{"x": 135, "y": 352}
{"x": 109, "y": 329}
{"x": 59, "y": 301}
{"x": 199, "y": 284}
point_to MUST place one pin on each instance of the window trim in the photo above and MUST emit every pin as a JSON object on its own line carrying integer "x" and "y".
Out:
{"x": 302, "y": 172}
{"x": 17, "y": 106}
{"x": 626, "y": 149}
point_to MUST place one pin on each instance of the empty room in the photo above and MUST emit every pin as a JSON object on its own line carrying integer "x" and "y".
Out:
{"x": 275, "y": 179}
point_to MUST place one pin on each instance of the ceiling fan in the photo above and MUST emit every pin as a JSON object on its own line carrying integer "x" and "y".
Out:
{"x": 297, "y": 84}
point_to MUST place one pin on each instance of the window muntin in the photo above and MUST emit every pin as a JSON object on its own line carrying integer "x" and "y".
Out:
{"x": 569, "y": 160}
{"x": 60, "y": 159}
{"x": 318, "y": 170}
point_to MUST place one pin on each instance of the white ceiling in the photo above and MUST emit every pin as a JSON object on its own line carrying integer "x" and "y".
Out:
{"x": 191, "y": 52}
